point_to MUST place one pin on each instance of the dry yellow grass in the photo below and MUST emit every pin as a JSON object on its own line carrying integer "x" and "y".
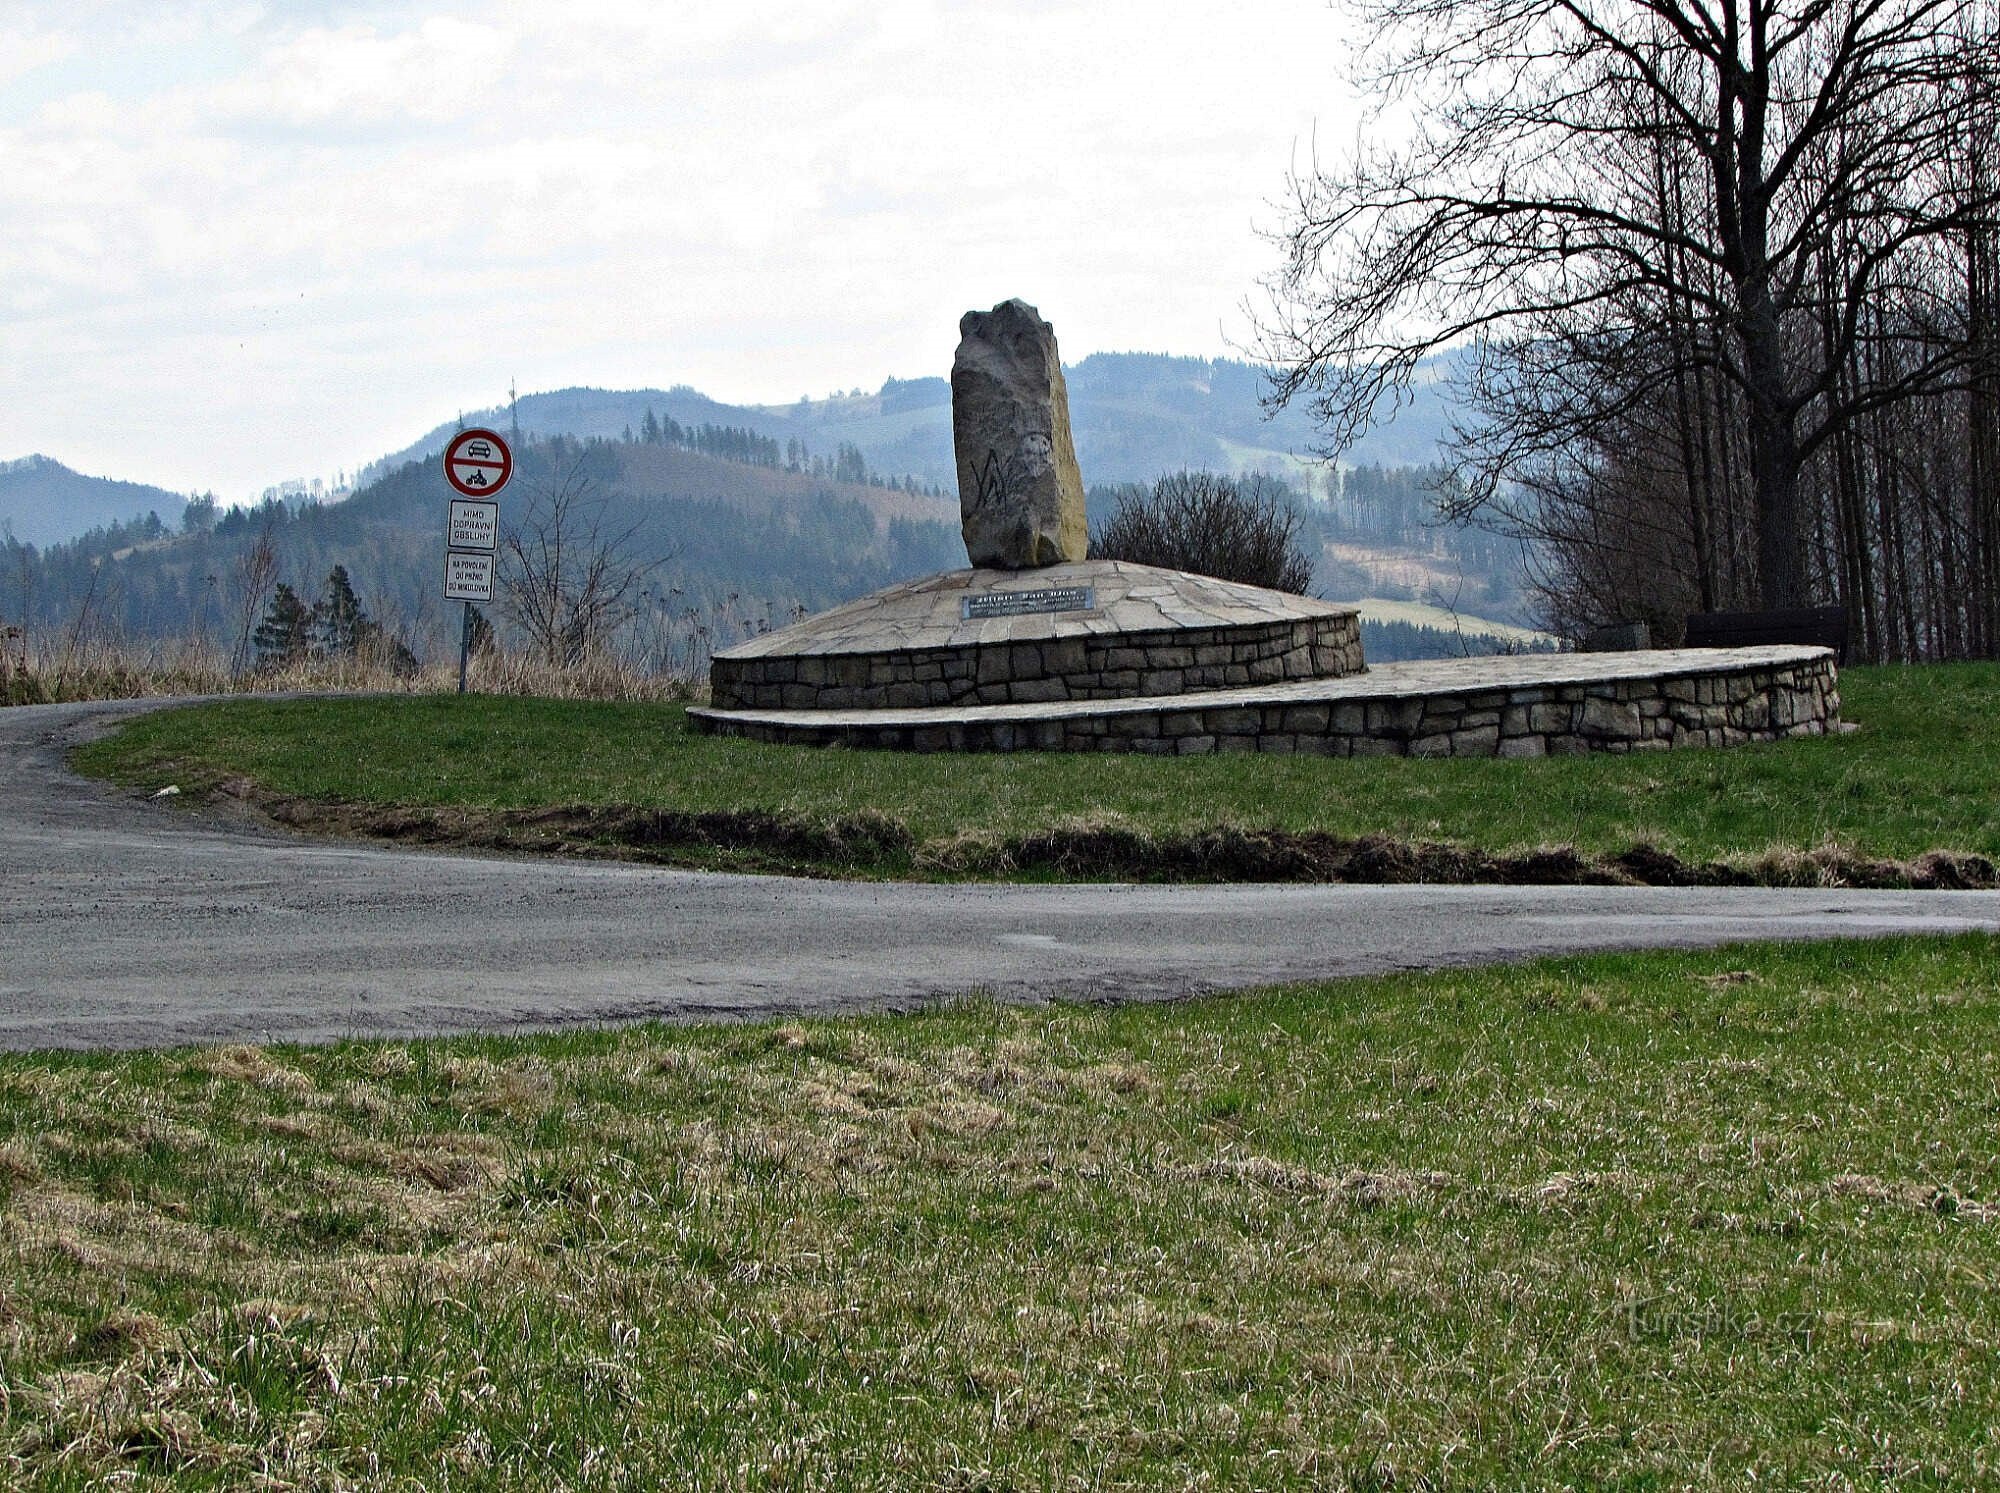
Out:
{"x": 101, "y": 670}
{"x": 1674, "y": 1221}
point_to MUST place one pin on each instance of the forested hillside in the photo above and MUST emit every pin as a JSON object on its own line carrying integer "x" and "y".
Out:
{"x": 727, "y": 521}
{"x": 722, "y": 547}
{"x": 718, "y": 545}
{"x": 1134, "y": 417}
{"x": 43, "y": 502}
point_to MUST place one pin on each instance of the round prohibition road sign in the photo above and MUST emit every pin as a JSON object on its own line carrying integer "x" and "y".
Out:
{"x": 477, "y": 463}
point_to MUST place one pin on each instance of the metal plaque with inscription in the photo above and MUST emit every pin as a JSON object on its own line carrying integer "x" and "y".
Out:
{"x": 473, "y": 525}
{"x": 468, "y": 577}
{"x": 1022, "y": 603}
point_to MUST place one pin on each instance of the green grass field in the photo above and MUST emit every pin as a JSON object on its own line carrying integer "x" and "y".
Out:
{"x": 1919, "y": 776}
{"x": 1634, "y": 1222}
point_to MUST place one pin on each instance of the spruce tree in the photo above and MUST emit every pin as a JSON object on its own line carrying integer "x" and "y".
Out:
{"x": 286, "y": 634}
{"x": 339, "y": 620}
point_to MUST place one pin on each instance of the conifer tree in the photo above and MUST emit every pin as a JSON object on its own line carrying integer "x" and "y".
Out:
{"x": 339, "y": 620}
{"x": 285, "y": 636}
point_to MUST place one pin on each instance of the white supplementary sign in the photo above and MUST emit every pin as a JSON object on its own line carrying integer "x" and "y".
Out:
{"x": 468, "y": 577}
{"x": 474, "y": 525}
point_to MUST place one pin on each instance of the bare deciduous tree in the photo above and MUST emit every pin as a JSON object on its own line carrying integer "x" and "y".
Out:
{"x": 568, "y": 576}
{"x": 1681, "y": 189}
{"x": 1210, "y": 525}
{"x": 24, "y": 558}
{"x": 253, "y": 576}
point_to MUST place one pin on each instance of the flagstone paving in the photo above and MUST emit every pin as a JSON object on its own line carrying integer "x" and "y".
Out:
{"x": 1095, "y": 630}
{"x": 931, "y": 612}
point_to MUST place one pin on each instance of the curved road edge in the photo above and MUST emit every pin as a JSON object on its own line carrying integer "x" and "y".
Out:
{"x": 124, "y": 923}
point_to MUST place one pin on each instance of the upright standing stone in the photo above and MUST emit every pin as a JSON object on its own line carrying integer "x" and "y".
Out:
{"x": 1020, "y": 496}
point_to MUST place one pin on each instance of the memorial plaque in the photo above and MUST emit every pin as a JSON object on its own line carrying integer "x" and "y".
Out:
{"x": 1024, "y": 603}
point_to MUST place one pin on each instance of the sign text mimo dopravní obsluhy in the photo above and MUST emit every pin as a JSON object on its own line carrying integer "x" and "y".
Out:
{"x": 474, "y": 524}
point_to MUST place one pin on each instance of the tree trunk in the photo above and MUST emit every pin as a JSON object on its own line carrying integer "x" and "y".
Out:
{"x": 1982, "y": 426}
{"x": 1774, "y": 471}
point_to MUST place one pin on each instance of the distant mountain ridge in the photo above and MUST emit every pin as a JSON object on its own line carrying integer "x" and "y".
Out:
{"x": 1135, "y": 416}
{"x": 43, "y": 502}
{"x": 736, "y": 530}
{"x": 722, "y": 546}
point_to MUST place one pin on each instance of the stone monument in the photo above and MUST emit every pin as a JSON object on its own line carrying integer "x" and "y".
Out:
{"x": 1039, "y": 647}
{"x": 1020, "y": 496}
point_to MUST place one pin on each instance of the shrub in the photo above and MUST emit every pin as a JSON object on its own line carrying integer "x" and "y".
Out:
{"x": 1211, "y": 525}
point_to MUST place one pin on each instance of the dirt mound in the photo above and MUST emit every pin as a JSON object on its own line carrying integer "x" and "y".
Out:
{"x": 876, "y": 844}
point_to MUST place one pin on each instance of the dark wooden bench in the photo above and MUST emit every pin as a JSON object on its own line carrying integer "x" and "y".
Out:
{"x": 1826, "y": 626}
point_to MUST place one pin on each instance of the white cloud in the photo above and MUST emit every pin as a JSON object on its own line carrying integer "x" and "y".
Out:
{"x": 356, "y": 77}
{"x": 25, "y": 49}
{"x": 314, "y": 229}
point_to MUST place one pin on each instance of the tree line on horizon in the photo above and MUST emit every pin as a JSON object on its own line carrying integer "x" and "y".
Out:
{"x": 739, "y": 443}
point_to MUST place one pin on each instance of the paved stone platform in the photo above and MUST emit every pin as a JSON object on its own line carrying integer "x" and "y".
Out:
{"x": 1093, "y": 630}
{"x": 1526, "y": 705}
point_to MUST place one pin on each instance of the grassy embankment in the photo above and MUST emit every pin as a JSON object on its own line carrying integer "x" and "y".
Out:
{"x": 1637, "y": 1221}
{"x": 1919, "y": 777}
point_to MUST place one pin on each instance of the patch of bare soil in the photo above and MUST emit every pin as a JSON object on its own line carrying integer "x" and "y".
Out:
{"x": 876, "y": 844}
{"x": 850, "y": 843}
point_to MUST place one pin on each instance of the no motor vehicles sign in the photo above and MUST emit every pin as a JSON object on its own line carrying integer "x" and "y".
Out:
{"x": 477, "y": 463}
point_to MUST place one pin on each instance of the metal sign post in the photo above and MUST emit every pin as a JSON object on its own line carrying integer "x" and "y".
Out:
{"x": 477, "y": 464}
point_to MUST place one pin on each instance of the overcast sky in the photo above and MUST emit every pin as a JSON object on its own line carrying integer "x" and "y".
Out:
{"x": 246, "y": 242}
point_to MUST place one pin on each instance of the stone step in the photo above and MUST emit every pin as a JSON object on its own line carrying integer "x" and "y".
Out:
{"x": 1525, "y": 705}
{"x": 1092, "y": 630}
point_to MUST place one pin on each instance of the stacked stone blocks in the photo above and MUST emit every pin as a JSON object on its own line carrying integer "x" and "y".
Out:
{"x": 1722, "y": 706}
{"x": 1113, "y": 666}
{"x": 1107, "y": 655}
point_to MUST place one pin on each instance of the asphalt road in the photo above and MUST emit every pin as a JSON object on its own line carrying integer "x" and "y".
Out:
{"x": 128, "y": 923}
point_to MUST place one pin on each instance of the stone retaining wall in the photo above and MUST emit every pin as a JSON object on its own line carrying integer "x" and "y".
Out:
{"x": 1079, "y": 667}
{"x": 1720, "y": 706}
